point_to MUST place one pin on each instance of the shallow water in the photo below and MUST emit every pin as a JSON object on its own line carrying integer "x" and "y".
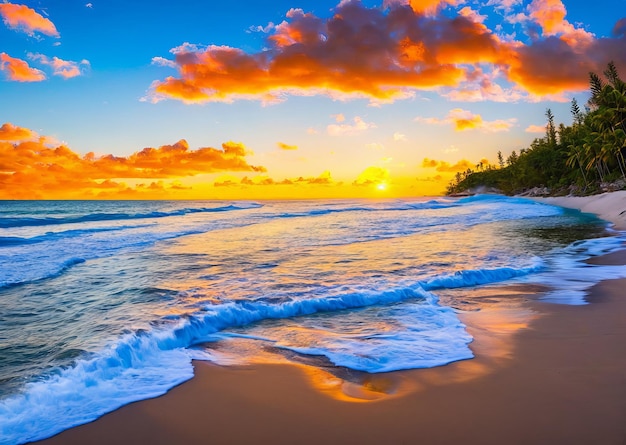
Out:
{"x": 104, "y": 303}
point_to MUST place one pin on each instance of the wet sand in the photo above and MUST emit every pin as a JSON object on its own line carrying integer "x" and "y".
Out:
{"x": 558, "y": 379}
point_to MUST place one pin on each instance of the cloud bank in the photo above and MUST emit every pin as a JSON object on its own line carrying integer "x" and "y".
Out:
{"x": 31, "y": 167}
{"x": 390, "y": 52}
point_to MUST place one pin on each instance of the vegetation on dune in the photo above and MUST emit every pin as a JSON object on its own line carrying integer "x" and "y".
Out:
{"x": 581, "y": 158}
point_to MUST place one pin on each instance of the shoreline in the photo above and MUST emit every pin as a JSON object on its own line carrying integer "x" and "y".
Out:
{"x": 561, "y": 380}
{"x": 610, "y": 206}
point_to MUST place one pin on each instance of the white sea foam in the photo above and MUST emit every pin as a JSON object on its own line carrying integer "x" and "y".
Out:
{"x": 145, "y": 365}
{"x": 569, "y": 276}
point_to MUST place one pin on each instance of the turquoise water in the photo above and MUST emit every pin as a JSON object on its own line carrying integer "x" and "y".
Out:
{"x": 104, "y": 303}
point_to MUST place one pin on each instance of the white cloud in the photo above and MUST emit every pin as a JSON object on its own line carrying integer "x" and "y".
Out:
{"x": 162, "y": 61}
{"x": 264, "y": 29}
{"x": 359, "y": 126}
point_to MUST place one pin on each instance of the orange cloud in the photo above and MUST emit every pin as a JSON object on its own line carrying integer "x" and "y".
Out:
{"x": 422, "y": 6}
{"x": 18, "y": 70}
{"x": 565, "y": 53}
{"x": 535, "y": 129}
{"x": 21, "y": 17}
{"x": 284, "y": 146}
{"x": 430, "y": 6}
{"x": 359, "y": 52}
{"x": 32, "y": 167}
{"x": 64, "y": 68}
{"x": 10, "y": 132}
{"x": 446, "y": 167}
{"x": 175, "y": 160}
{"x": 323, "y": 179}
{"x": 429, "y": 163}
{"x": 390, "y": 52}
{"x": 550, "y": 15}
{"x": 372, "y": 176}
{"x": 466, "y": 120}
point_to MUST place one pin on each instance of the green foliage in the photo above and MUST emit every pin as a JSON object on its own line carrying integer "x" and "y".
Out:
{"x": 590, "y": 151}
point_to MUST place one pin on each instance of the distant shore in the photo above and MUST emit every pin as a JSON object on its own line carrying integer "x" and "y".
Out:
{"x": 610, "y": 206}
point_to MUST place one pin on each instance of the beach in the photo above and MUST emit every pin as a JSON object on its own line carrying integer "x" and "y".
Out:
{"x": 554, "y": 376}
{"x": 610, "y": 206}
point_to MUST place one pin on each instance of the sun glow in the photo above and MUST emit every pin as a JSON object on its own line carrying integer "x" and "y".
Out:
{"x": 382, "y": 186}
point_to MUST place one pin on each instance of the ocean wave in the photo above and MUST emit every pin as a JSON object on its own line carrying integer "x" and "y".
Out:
{"x": 467, "y": 278}
{"x": 387, "y": 207}
{"x": 7, "y": 241}
{"x": 13, "y": 222}
{"x": 147, "y": 363}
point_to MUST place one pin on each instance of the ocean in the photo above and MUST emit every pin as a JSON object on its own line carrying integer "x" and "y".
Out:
{"x": 103, "y": 303}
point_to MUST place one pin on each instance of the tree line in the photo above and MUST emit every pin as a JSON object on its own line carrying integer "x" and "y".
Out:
{"x": 580, "y": 158}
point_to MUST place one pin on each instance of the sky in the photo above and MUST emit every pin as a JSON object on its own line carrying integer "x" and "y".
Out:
{"x": 287, "y": 99}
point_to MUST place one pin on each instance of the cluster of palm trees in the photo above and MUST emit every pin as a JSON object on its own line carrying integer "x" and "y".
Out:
{"x": 585, "y": 155}
{"x": 600, "y": 135}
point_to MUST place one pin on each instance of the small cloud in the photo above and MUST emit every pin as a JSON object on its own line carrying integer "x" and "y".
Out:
{"x": 359, "y": 126}
{"x": 63, "y": 68}
{"x": 18, "y": 70}
{"x": 312, "y": 130}
{"x": 463, "y": 120}
{"x": 397, "y": 137}
{"x": 472, "y": 15}
{"x": 225, "y": 183}
{"x": 264, "y": 180}
{"x": 535, "y": 129}
{"x": 22, "y": 18}
{"x": 446, "y": 167}
{"x": 323, "y": 179}
{"x": 375, "y": 146}
{"x": 284, "y": 146}
{"x": 263, "y": 29}
{"x": 89, "y": 5}
{"x": 338, "y": 117}
{"x": 162, "y": 61}
{"x": 10, "y": 132}
{"x": 372, "y": 176}
{"x": 506, "y": 5}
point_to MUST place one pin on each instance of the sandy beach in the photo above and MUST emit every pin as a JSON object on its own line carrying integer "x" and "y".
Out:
{"x": 609, "y": 206}
{"x": 554, "y": 377}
